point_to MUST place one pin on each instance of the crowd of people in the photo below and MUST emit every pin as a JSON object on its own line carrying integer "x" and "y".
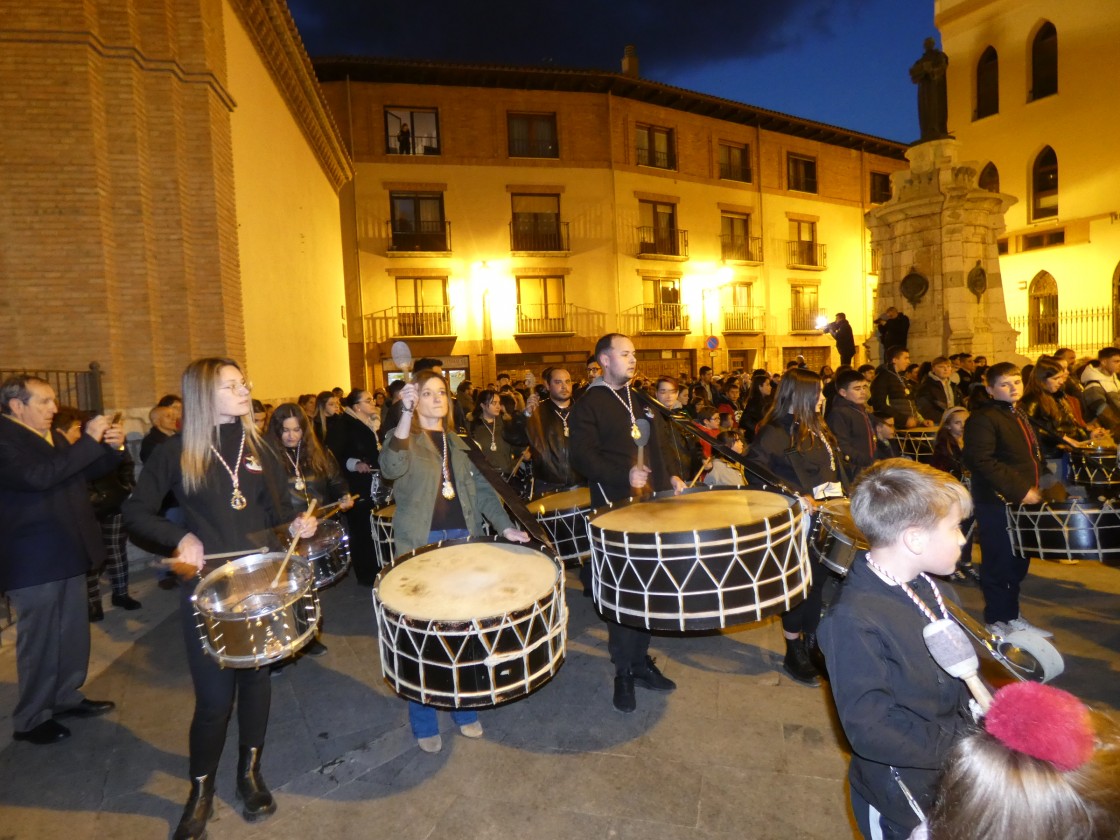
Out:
{"x": 221, "y": 473}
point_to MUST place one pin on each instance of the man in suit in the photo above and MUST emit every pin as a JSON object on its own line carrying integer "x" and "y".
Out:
{"x": 49, "y": 539}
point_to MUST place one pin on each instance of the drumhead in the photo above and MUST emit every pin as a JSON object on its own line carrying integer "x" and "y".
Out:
{"x": 328, "y": 534}
{"x": 573, "y": 497}
{"x": 467, "y": 580}
{"x": 244, "y": 587}
{"x": 836, "y": 514}
{"x": 693, "y": 511}
{"x": 386, "y": 512}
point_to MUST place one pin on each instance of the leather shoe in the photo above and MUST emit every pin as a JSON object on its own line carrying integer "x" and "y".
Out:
{"x": 125, "y": 602}
{"x": 49, "y": 731}
{"x": 651, "y": 677}
{"x": 88, "y": 709}
{"x": 624, "y": 694}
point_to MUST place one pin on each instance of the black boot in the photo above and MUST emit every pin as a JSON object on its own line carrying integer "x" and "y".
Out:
{"x": 200, "y": 805}
{"x": 799, "y": 665}
{"x": 255, "y": 798}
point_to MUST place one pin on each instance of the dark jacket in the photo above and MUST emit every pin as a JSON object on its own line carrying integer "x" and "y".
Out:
{"x": 151, "y": 440}
{"x": 322, "y": 487}
{"x": 893, "y": 332}
{"x": 47, "y": 528}
{"x": 543, "y": 433}
{"x": 350, "y": 439}
{"x": 897, "y": 706}
{"x": 842, "y": 332}
{"x": 1051, "y": 431}
{"x": 892, "y": 392}
{"x": 851, "y": 424}
{"x": 947, "y": 456}
{"x": 1001, "y": 452}
{"x": 800, "y": 466}
{"x": 932, "y": 399}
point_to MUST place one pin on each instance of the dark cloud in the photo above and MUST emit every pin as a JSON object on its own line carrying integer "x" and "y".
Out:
{"x": 669, "y": 36}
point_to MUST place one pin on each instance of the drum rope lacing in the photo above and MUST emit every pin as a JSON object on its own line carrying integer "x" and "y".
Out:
{"x": 299, "y": 483}
{"x": 910, "y": 592}
{"x": 237, "y": 500}
{"x": 635, "y": 433}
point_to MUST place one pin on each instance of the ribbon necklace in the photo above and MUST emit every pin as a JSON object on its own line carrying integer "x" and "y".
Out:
{"x": 237, "y": 501}
{"x": 910, "y": 592}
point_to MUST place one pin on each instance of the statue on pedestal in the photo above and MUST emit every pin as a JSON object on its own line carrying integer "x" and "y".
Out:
{"x": 928, "y": 73}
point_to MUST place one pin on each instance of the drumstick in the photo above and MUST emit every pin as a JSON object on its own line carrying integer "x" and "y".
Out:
{"x": 334, "y": 507}
{"x": 227, "y": 554}
{"x": 516, "y": 467}
{"x": 291, "y": 549}
{"x": 699, "y": 473}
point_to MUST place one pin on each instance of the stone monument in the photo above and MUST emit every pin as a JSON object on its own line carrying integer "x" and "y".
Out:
{"x": 937, "y": 241}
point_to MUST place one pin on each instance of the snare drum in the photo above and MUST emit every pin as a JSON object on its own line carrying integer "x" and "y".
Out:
{"x": 328, "y": 552}
{"x": 470, "y": 623}
{"x": 564, "y": 516}
{"x": 917, "y": 443}
{"x": 381, "y": 522}
{"x": 1072, "y": 530}
{"x": 701, "y": 560}
{"x": 244, "y": 621}
{"x": 836, "y": 541}
{"x": 1096, "y": 469}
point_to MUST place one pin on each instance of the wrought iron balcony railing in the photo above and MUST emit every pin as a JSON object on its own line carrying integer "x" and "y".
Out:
{"x": 741, "y": 248}
{"x": 405, "y": 235}
{"x": 801, "y": 254}
{"x": 665, "y": 242}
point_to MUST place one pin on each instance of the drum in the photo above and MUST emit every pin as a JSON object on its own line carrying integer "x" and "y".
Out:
{"x": 244, "y": 621}
{"x": 1095, "y": 468}
{"x": 381, "y": 522}
{"x": 705, "y": 559}
{"x": 328, "y": 552}
{"x": 564, "y": 515}
{"x": 836, "y": 541}
{"x": 917, "y": 443}
{"x": 1072, "y": 530}
{"x": 470, "y": 623}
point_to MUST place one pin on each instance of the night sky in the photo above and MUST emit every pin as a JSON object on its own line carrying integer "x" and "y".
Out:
{"x": 843, "y": 62}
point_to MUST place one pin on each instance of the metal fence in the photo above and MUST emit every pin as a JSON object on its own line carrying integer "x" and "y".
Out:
{"x": 76, "y": 388}
{"x": 1085, "y": 331}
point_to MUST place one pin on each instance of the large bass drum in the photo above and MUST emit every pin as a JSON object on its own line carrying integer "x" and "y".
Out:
{"x": 470, "y": 623}
{"x": 1075, "y": 529}
{"x": 704, "y": 559}
{"x": 1096, "y": 469}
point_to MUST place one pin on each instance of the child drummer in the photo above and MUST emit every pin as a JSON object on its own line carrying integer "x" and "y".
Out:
{"x": 900, "y": 711}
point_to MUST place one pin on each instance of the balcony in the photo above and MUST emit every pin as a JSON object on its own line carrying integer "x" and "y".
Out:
{"x": 538, "y": 238}
{"x": 653, "y": 318}
{"x": 746, "y": 249}
{"x": 411, "y": 237}
{"x": 803, "y": 319}
{"x": 810, "y": 255}
{"x": 409, "y": 322}
{"x": 422, "y": 144}
{"x": 734, "y": 172}
{"x": 662, "y": 243}
{"x": 544, "y": 319}
{"x": 655, "y": 158}
{"x": 744, "y": 319}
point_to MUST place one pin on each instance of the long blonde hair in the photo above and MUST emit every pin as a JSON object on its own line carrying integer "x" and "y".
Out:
{"x": 200, "y": 419}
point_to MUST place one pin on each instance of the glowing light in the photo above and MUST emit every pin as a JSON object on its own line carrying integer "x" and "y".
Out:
{"x": 822, "y": 322}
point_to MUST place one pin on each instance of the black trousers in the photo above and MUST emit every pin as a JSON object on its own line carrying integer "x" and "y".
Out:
{"x": 216, "y": 690}
{"x": 363, "y": 555}
{"x": 628, "y": 646}
{"x": 805, "y": 617}
{"x": 1001, "y": 569}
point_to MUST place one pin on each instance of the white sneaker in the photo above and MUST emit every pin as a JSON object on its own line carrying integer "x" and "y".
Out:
{"x": 1000, "y": 628}
{"x": 1021, "y": 623}
{"x": 471, "y": 730}
{"x": 431, "y": 744}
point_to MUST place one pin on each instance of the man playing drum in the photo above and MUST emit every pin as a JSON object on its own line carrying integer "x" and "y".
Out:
{"x": 605, "y": 435}
{"x": 543, "y": 426}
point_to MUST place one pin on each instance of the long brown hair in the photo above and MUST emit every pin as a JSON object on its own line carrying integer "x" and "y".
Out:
{"x": 418, "y": 380}
{"x": 1045, "y": 368}
{"x": 798, "y": 394}
{"x": 312, "y": 456}
{"x": 200, "y": 419}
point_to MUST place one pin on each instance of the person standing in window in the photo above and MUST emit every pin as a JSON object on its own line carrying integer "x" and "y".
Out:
{"x": 404, "y": 140}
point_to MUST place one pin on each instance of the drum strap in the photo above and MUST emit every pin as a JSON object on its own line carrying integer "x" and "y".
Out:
{"x": 509, "y": 497}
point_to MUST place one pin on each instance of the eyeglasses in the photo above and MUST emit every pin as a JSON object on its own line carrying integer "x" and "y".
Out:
{"x": 234, "y": 387}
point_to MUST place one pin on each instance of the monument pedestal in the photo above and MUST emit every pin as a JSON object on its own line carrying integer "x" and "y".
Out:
{"x": 940, "y": 262}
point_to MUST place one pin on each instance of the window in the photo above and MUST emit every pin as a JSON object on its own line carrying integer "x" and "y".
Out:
{"x": 536, "y": 224}
{"x": 803, "y": 249}
{"x": 735, "y": 238}
{"x": 803, "y": 308}
{"x": 734, "y": 162}
{"x": 661, "y": 304}
{"x": 1044, "y": 181}
{"x": 739, "y": 314}
{"x": 417, "y": 222}
{"x": 880, "y": 187}
{"x": 655, "y": 147}
{"x": 1034, "y": 241}
{"x": 533, "y": 136}
{"x": 541, "y": 307}
{"x": 422, "y": 306}
{"x": 802, "y": 173}
{"x": 989, "y": 178}
{"x": 658, "y": 233}
{"x": 987, "y": 84}
{"x": 411, "y": 131}
{"x": 1044, "y": 62}
{"x": 1042, "y": 312}
{"x": 1002, "y": 247}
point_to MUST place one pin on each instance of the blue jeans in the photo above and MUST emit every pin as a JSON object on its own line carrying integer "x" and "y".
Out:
{"x": 422, "y": 718}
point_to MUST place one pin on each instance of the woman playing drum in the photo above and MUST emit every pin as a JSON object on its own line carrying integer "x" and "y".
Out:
{"x": 488, "y": 430}
{"x": 313, "y": 473}
{"x": 231, "y": 490}
{"x": 1045, "y": 406}
{"x": 795, "y": 444}
{"x": 439, "y": 496}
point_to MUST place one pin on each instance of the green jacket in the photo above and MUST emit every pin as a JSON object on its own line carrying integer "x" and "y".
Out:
{"x": 416, "y": 470}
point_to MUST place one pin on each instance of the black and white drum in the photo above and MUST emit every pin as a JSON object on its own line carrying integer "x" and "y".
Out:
{"x": 1095, "y": 468}
{"x": 328, "y": 552}
{"x": 564, "y": 515}
{"x": 470, "y": 623}
{"x": 244, "y": 621}
{"x": 917, "y": 443}
{"x": 836, "y": 541}
{"x": 1076, "y": 529}
{"x": 705, "y": 559}
{"x": 381, "y": 523}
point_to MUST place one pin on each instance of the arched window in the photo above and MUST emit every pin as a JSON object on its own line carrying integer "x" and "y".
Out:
{"x": 1042, "y": 314}
{"x": 1044, "y": 183}
{"x": 1044, "y": 62}
{"x": 989, "y": 178}
{"x": 987, "y": 84}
